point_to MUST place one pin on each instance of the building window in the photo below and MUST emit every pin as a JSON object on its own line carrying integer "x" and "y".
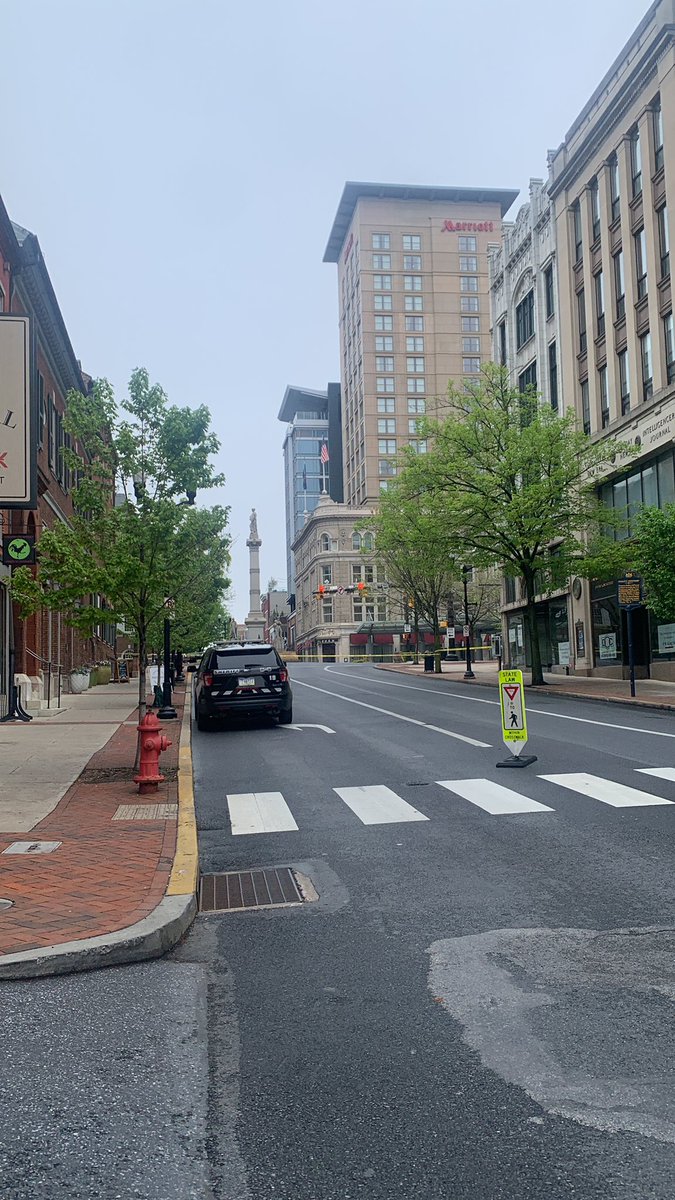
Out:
{"x": 419, "y": 445}
{"x": 325, "y": 542}
{"x": 384, "y": 343}
{"x": 384, "y": 384}
{"x": 356, "y": 541}
{"x": 382, "y": 283}
{"x": 412, "y": 241}
{"x": 664, "y": 241}
{"x": 669, "y": 340}
{"x": 635, "y": 164}
{"x": 327, "y": 611}
{"x": 576, "y": 230}
{"x": 471, "y": 366}
{"x": 502, "y": 343}
{"x": 413, "y": 303}
{"x": 604, "y": 397}
{"x": 468, "y": 262}
{"x": 414, "y": 364}
{"x": 384, "y": 323}
{"x": 581, "y": 317}
{"x": 470, "y": 324}
{"x": 585, "y": 407}
{"x": 549, "y": 293}
{"x": 42, "y": 413}
{"x": 412, "y": 283}
{"x": 412, "y": 262}
{"x": 614, "y": 186}
{"x": 469, "y": 304}
{"x": 416, "y": 405}
{"x": 595, "y": 210}
{"x": 386, "y": 446}
{"x": 386, "y": 425}
{"x": 619, "y": 286}
{"x": 624, "y": 382}
{"x": 416, "y": 384}
{"x": 382, "y": 303}
{"x": 414, "y": 344}
{"x": 414, "y": 323}
{"x": 471, "y": 345}
{"x": 384, "y": 484}
{"x": 327, "y": 574}
{"x": 384, "y": 363}
{"x": 600, "y": 303}
{"x": 468, "y": 283}
{"x": 641, "y": 263}
{"x": 657, "y": 126}
{"x": 467, "y": 245}
{"x": 646, "y": 364}
{"x": 386, "y": 404}
{"x": 51, "y": 430}
{"x": 386, "y": 468}
{"x": 380, "y": 241}
{"x": 525, "y": 320}
{"x": 553, "y": 375}
{"x": 382, "y": 262}
{"x": 528, "y": 377}
{"x": 412, "y": 425}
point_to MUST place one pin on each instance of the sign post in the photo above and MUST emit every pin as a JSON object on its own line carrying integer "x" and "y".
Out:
{"x": 514, "y": 719}
{"x": 630, "y": 597}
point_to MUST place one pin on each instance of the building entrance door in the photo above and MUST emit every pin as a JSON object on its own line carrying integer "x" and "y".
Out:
{"x": 328, "y": 652}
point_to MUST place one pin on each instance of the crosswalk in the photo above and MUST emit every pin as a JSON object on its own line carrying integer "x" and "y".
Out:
{"x": 377, "y": 804}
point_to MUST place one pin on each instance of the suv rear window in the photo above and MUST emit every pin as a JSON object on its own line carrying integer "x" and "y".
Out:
{"x": 240, "y": 659}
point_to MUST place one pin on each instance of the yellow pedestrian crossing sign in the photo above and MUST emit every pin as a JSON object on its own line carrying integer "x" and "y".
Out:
{"x": 514, "y": 718}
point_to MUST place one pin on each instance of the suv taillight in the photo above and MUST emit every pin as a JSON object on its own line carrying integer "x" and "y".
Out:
{"x": 283, "y": 677}
{"x": 208, "y": 680}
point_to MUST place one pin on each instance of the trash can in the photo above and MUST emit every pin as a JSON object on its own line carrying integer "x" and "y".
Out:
{"x": 428, "y": 662}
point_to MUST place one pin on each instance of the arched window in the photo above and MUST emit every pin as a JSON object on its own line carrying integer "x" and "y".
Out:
{"x": 325, "y": 541}
{"x": 356, "y": 541}
{"x": 367, "y": 541}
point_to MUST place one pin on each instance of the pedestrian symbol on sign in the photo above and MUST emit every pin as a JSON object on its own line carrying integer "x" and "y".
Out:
{"x": 514, "y": 721}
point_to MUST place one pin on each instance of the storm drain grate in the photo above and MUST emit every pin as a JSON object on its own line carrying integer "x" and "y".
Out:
{"x": 249, "y": 889}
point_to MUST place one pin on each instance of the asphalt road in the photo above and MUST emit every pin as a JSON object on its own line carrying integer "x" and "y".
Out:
{"x": 479, "y": 1003}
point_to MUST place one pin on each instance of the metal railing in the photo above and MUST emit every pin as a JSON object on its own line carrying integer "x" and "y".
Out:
{"x": 51, "y": 678}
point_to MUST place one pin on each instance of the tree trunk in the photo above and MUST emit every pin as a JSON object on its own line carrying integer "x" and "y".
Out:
{"x": 531, "y": 622}
{"x": 417, "y": 637}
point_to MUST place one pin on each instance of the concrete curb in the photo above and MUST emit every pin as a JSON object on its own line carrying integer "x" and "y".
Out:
{"x": 155, "y": 934}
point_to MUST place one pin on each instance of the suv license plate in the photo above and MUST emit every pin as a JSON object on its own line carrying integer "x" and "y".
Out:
{"x": 247, "y": 682}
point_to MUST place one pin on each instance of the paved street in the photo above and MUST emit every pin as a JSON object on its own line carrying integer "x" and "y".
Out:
{"x": 479, "y": 1003}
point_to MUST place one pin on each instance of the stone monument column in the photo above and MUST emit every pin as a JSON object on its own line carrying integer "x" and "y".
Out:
{"x": 255, "y": 621}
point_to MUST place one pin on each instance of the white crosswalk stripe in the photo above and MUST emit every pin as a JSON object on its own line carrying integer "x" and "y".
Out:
{"x": 618, "y": 795}
{"x": 259, "y": 812}
{"x": 659, "y": 772}
{"x": 378, "y": 805}
{"x": 492, "y": 797}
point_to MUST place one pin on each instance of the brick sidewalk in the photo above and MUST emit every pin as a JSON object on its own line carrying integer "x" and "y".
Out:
{"x": 107, "y": 874}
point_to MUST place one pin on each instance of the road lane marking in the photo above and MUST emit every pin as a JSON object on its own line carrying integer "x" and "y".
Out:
{"x": 399, "y": 716}
{"x": 542, "y": 712}
{"x": 259, "y": 812}
{"x": 659, "y": 772}
{"x": 492, "y": 797}
{"x": 378, "y": 805}
{"x": 605, "y": 790}
{"x": 299, "y": 728}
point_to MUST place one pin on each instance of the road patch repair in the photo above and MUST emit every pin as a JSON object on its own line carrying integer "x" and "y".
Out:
{"x": 581, "y": 1019}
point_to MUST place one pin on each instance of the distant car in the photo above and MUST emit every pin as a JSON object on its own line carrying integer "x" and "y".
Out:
{"x": 235, "y": 680}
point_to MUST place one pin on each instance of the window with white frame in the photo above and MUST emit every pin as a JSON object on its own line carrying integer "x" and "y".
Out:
{"x": 382, "y": 262}
{"x": 468, "y": 283}
{"x": 327, "y": 609}
{"x": 384, "y": 343}
{"x": 413, "y": 303}
{"x": 416, "y": 385}
{"x": 327, "y": 574}
{"x": 382, "y": 283}
{"x": 384, "y": 323}
{"x": 416, "y": 323}
{"x": 414, "y": 364}
{"x": 380, "y": 241}
{"x": 470, "y": 324}
{"x": 325, "y": 541}
{"x": 356, "y": 541}
{"x": 384, "y": 363}
{"x": 386, "y": 446}
{"x": 412, "y": 283}
{"x": 467, "y": 245}
{"x": 386, "y": 425}
{"x": 386, "y": 404}
{"x": 471, "y": 345}
{"x": 469, "y": 304}
{"x": 382, "y": 303}
{"x": 412, "y": 241}
{"x": 384, "y": 383}
{"x": 412, "y": 262}
{"x": 414, "y": 344}
{"x": 468, "y": 262}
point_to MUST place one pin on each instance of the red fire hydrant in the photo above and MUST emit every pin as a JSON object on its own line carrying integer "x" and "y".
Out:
{"x": 152, "y": 744}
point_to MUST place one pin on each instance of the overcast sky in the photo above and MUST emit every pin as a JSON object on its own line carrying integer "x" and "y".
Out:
{"x": 181, "y": 164}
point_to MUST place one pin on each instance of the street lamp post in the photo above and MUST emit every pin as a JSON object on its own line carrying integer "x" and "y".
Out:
{"x": 468, "y": 674}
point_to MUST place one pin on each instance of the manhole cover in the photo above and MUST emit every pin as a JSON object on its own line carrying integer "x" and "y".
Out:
{"x": 5, "y": 904}
{"x": 265, "y": 888}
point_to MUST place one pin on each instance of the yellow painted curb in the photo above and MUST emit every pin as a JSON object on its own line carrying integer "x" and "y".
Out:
{"x": 185, "y": 870}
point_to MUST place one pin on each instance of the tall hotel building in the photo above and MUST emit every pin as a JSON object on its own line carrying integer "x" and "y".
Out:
{"x": 414, "y": 305}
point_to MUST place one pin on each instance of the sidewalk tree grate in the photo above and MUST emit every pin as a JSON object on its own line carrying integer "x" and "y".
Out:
{"x": 236, "y": 890}
{"x": 146, "y": 812}
{"x": 31, "y": 848}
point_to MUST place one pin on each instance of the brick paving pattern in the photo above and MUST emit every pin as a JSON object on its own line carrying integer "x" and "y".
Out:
{"x": 107, "y": 874}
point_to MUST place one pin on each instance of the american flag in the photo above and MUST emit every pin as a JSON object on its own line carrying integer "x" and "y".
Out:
{"x": 324, "y": 452}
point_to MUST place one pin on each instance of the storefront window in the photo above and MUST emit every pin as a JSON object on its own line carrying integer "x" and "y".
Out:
{"x": 662, "y": 640}
{"x": 606, "y": 624}
{"x": 652, "y": 484}
{"x": 666, "y": 477}
{"x": 516, "y": 636}
{"x": 650, "y": 494}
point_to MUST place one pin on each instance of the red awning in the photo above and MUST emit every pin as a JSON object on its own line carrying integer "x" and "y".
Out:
{"x": 358, "y": 639}
{"x": 383, "y": 639}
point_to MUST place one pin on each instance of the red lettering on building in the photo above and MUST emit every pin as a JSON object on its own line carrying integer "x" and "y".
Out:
{"x": 463, "y": 226}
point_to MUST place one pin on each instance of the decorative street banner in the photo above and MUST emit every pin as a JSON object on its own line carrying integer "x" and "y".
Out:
{"x": 17, "y": 463}
{"x": 514, "y": 720}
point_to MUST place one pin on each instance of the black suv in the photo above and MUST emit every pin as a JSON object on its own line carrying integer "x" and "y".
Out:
{"x": 242, "y": 680}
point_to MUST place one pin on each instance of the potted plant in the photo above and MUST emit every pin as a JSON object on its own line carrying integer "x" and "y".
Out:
{"x": 79, "y": 680}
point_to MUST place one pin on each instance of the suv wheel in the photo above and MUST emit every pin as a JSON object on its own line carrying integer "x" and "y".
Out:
{"x": 286, "y": 717}
{"x": 203, "y": 723}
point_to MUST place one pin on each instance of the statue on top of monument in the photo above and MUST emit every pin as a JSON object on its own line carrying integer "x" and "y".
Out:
{"x": 254, "y": 526}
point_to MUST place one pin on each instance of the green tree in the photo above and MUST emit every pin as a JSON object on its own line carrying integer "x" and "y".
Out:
{"x": 653, "y": 555}
{"x": 512, "y": 485}
{"x": 135, "y": 539}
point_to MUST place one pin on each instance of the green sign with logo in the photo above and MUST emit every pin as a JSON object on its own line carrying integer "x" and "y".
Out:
{"x": 18, "y": 550}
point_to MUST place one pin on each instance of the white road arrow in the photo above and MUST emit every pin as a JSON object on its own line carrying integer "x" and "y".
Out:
{"x": 301, "y": 727}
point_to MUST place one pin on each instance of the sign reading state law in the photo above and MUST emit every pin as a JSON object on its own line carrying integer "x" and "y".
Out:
{"x": 17, "y": 471}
